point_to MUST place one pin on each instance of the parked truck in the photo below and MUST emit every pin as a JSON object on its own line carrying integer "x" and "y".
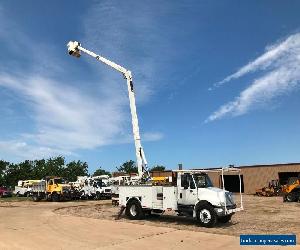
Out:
{"x": 191, "y": 194}
{"x": 24, "y": 188}
{"x": 5, "y": 192}
{"x": 96, "y": 187}
{"x": 52, "y": 189}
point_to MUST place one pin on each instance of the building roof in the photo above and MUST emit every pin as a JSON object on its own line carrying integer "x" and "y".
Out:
{"x": 263, "y": 165}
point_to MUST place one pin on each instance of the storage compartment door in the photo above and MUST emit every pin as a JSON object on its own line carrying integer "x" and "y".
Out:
{"x": 169, "y": 198}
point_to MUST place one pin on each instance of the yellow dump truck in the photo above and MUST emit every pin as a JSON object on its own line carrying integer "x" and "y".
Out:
{"x": 51, "y": 188}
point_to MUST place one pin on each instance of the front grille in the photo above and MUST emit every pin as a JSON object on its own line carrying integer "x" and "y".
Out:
{"x": 107, "y": 190}
{"x": 229, "y": 199}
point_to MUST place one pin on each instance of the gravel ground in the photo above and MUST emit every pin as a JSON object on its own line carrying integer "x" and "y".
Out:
{"x": 262, "y": 215}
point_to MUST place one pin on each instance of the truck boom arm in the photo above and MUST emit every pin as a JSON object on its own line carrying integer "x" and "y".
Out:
{"x": 75, "y": 48}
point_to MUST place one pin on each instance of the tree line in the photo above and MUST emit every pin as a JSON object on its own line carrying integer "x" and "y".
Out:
{"x": 11, "y": 173}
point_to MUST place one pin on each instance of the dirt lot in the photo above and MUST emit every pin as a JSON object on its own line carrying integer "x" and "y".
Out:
{"x": 92, "y": 225}
{"x": 263, "y": 215}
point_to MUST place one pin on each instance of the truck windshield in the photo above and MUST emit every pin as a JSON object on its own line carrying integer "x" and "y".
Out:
{"x": 59, "y": 181}
{"x": 202, "y": 180}
{"x": 100, "y": 183}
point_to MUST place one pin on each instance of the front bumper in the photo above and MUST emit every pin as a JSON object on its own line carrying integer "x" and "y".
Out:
{"x": 6, "y": 194}
{"x": 221, "y": 211}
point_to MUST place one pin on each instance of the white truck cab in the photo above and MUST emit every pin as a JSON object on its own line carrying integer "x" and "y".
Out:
{"x": 191, "y": 194}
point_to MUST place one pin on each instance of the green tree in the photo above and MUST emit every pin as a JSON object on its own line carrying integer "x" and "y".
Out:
{"x": 74, "y": 169}
{"x": 39, "y": 169}
{"x": 128, "y": 167}
{"x": 101, "y": 171}
{"x": 158, "y": 168}
{"x": 54, "y": 166}
{"x": 3, "y": 168}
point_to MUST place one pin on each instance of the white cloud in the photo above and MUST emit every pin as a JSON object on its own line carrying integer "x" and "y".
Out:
{"x": 67, "y": 116}
{"x": 281, "y": 63}
{"x": 19, "y": 150}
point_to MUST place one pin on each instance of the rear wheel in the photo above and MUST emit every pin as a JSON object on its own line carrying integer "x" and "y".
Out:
{"x": 98, "y": 196}
{"x": 35, "y": 197}
{"x": 134, "y": 210}
{"x": 206, "y": 215}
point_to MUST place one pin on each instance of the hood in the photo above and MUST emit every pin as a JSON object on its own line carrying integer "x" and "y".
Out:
{"x": 216, "y": 196}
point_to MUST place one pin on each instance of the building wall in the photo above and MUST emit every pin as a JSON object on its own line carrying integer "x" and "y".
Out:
{"x": 258, "y": 176}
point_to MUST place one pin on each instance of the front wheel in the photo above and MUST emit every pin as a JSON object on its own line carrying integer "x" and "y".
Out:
{"x": 134, "y": 210}
{"x": 206, "y": 215}
{"x": 290, "y": 197}
{"x": 55, "y": 197}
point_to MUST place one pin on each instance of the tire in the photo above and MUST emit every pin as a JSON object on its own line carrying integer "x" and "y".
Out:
{"x": 206, "y": 215}
{"x": 35, "y": 198}
{"x": 134, "y": 210}
{"x": 98, "y": 196}
{"x": 290, "y": 197}
{"x": 55, "y": 197}
{"x": 225, "y": 219}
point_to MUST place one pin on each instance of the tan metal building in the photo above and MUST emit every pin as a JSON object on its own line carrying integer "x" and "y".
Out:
{"x": 257, "y": 176}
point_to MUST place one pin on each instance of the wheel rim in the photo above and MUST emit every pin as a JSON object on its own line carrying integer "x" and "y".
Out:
{"x": 133, "y": 211}
{"x": 205, "y": 216}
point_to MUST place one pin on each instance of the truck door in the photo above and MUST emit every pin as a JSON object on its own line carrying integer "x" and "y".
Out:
{"x": 187, "y": 193}
{"x": 50, "y": 186}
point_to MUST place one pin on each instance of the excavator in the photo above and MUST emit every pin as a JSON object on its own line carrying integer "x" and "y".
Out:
{"x": 291, "y": 191}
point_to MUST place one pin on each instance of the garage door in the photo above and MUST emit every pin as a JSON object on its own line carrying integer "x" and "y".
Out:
{"x": 284, "y": 176}
{"x": 232, "y": 183}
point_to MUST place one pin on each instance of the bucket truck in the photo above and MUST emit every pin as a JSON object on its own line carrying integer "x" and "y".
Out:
{"x": 191, "y": 193}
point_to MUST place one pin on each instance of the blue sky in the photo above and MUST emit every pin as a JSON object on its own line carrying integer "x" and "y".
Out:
{"x": 217, "y": 82}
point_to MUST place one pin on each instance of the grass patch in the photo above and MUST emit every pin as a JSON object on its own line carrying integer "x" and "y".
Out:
{"x": 14, "y": 198}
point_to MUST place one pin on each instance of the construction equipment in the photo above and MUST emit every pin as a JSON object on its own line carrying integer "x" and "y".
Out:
{"x": 52, "y": 189}
{"x": 291, "y": 191}
{"x": 272, "y": 189}
{"x": 191, "y": 193}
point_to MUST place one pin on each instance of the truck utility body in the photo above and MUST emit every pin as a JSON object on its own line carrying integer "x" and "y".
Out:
{"x": 24, "y": 188}
{"x": 191, "y": 194}
{"x": 94, "y": 188}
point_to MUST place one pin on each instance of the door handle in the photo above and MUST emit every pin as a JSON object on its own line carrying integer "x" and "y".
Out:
{"x": 191, "y": 191}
